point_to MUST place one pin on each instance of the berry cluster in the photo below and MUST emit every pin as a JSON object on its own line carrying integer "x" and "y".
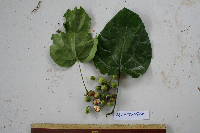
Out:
{"x": 102, "y": 94}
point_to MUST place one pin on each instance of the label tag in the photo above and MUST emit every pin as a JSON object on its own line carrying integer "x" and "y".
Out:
{"x": 131, "y": 115}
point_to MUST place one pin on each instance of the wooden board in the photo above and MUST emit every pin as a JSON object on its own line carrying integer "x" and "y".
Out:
{"x": 97, "y": 128}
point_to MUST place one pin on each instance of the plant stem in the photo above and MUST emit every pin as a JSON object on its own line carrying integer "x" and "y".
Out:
{"x": 112, "y": 110}
{"x": 116, "y": 99}
{"x": 83, "y": 80}
{"x": 118, "y": 80}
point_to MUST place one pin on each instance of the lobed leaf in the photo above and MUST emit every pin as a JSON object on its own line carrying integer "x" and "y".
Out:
{"x": 77, "y": 43}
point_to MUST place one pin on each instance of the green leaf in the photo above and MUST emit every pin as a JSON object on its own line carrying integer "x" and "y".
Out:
{"x": 77, "y": 43}
{"x": 123, "y": 46}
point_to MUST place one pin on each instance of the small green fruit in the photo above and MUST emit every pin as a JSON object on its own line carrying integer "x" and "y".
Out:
{"x": 102, "y": 102}
{"x": 110, "y": 103}
{"x": 91, "y": 93}
{"x": 113, "y": 85}
{"x": 107, "y": 96}
{"x": 96, "y": 94}
{"x": 114, "y": 77}
{"x": 104, "y": 88}
{"x": 107, "y": 82}
{"x": 87, "y": 98}
{"x": 97, "y": 88}
{"x": 92, "y": 78}
{"x": 101, "y": 80}
{"x": 102, "y": 95}
{"x": 87, "y": 110}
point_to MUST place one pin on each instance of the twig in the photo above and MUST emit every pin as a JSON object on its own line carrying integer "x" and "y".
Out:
{"x": 37, "y": 6}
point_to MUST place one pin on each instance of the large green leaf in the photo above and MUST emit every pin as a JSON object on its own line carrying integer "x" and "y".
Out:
{"x": 77, "y": 43}
{"x": 123, "y": 46}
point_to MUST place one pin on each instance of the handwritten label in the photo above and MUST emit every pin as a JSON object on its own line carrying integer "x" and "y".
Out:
{"x": 131, "y": 115}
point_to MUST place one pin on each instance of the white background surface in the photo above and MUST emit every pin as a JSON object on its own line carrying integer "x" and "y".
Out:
{"x": 33, "y": 89}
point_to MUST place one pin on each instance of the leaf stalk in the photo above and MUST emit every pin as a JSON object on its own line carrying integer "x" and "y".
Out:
{"x": 83, "y": 80}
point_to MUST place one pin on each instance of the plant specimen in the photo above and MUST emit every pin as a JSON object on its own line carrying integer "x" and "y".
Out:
{"x": 76, "y": 44}
{"x": 122, "y": 47}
